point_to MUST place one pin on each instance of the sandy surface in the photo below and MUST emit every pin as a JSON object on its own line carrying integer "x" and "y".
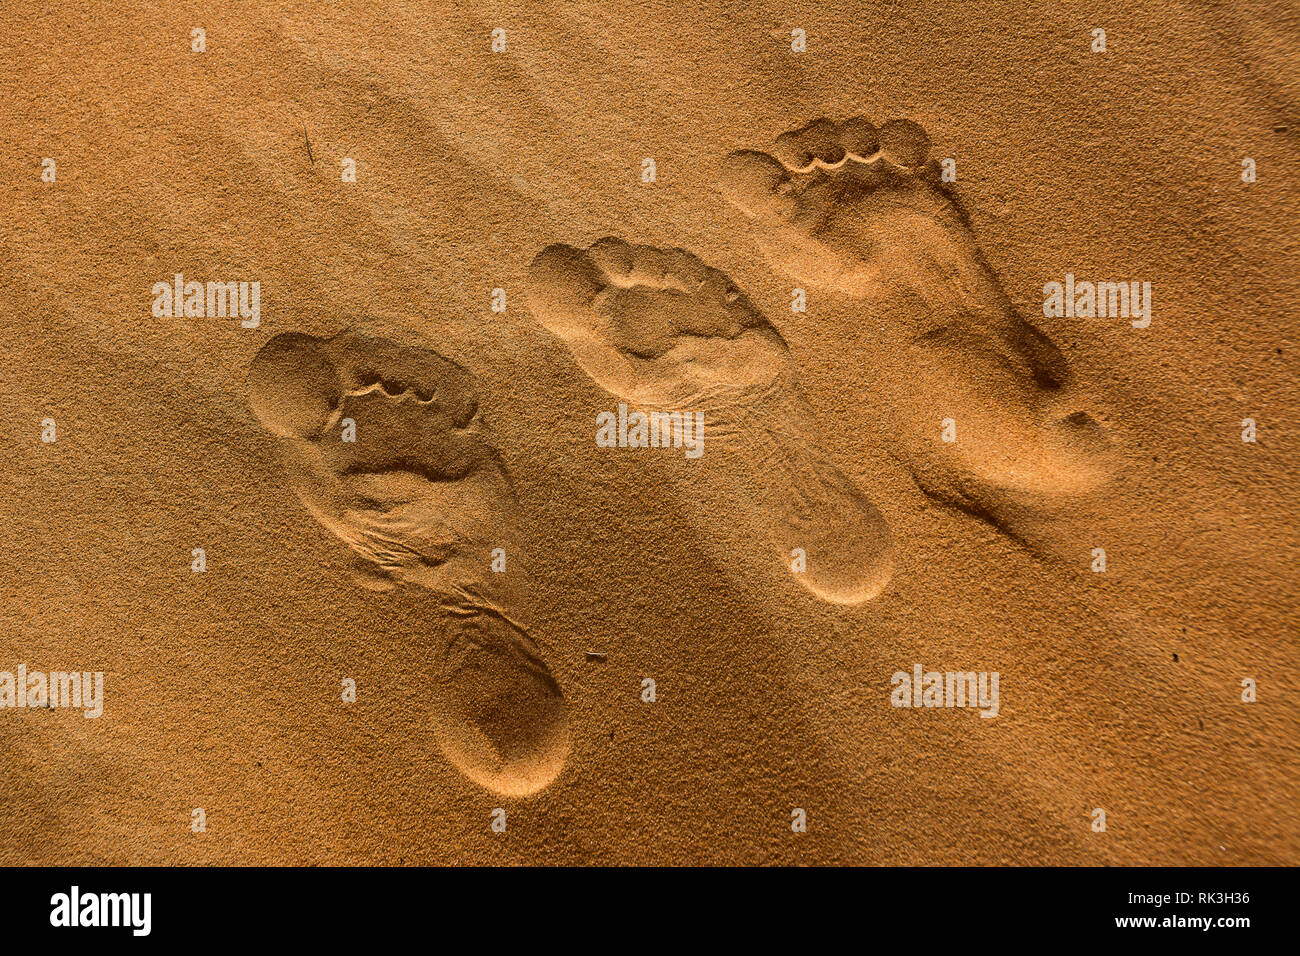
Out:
{"x": 1119, "y": 690}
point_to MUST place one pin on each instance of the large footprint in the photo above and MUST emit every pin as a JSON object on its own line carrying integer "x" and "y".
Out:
{"x": 860, "y": 212}
{"x": 419, "y": 493}
{"x": 663, "y": 332}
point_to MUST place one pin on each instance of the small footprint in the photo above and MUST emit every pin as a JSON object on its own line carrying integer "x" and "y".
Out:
{"x": 420, "y": 494}
{"x": 862, "y": 213}
{"x": 662, "y": 331}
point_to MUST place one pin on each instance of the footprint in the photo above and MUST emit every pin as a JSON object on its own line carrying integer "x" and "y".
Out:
{"x": 861, "y": 212}
{"x": 384, "y": 445}
{"x": 663, "y": 332}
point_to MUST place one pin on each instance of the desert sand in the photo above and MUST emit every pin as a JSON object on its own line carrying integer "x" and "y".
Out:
{"x": 828, "y": 229}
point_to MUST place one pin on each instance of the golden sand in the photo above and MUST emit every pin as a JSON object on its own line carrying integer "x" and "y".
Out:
{"x": 827, "y": 228}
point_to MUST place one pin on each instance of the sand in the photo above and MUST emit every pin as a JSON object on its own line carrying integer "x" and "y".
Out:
{"x": 462, "y": 253}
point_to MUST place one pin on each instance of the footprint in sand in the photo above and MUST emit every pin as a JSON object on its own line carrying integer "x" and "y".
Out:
{"x": 663, "y": 332}
{"x": 861, "y": 212}
{"x": 421, "y": 496}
